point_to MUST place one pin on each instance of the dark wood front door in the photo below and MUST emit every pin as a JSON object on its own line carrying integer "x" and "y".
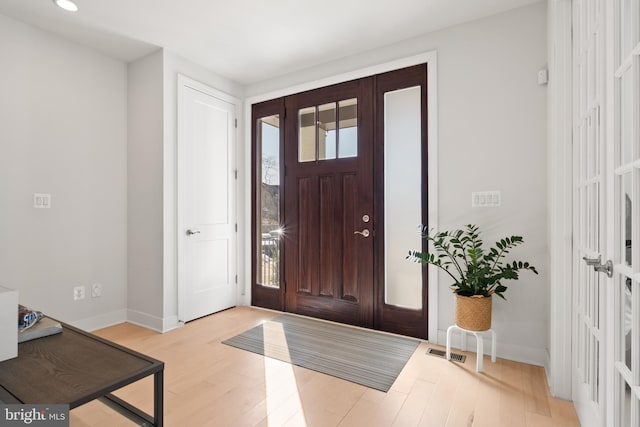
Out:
{"x": 328, "y": 203}
{"x": 331, "y": 173}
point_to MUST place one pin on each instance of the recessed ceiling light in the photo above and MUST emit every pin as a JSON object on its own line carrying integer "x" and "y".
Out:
{"x": 66, "y": 5}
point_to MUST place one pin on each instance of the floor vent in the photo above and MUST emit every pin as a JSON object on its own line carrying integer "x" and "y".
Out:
{"x": 441, "y": 353}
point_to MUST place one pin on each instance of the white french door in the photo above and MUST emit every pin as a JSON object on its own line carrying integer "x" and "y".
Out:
{"x": 206, "y": 201}
{"x": 606, "y": 291}
{"x": 624, "y": 331}
{"x": 590, "y": 222}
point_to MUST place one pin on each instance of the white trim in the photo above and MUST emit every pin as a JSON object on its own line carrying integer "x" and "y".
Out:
{"x": 431, "y": 59}
{"x": 187, "y": 82}
{"x": 516, "y": 353}
{"x": 149, "y": 321}
{"x": 560, "y": 183}
{"x": 101, "y": 321}
{"x": 432, "y": 179}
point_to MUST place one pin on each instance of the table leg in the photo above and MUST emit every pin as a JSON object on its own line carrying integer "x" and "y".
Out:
{"x": 158, "y": 398}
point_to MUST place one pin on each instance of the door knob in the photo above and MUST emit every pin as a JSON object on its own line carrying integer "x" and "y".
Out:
{"x": 364, "y": 233}
{"x": 191, "y": 232}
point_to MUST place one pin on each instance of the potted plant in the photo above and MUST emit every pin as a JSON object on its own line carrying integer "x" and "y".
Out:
{"x": 477, "y": 272}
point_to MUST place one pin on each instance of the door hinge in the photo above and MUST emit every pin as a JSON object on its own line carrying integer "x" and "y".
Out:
{"x": 236, "y": 227}
{"x": 236, "y": 278}
{"x": 235, "y": 173}
{"x": 236, "y": 123}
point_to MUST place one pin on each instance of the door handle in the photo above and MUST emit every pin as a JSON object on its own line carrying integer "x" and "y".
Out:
{"x": 607, "y": 267}
{"x": 592, "y": 261}
{"x": 364, "y": 233}
{"x": 192, "y": 232}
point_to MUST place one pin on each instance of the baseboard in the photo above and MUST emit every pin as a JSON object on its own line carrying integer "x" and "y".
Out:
{"x": 517, "y": 353}
{"x": 170, "y": 323}
{"x": 149, "y": 321}
{"x": 101, "y": 321}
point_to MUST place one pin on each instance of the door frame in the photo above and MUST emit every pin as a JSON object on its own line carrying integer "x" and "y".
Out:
{"x": 430, "y": 58}
{"x": 560, "y": 188}
{"x": 183, "y": 83}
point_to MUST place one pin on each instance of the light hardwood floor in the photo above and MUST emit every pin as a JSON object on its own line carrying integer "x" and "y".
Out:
{"x": 208, "y": 383}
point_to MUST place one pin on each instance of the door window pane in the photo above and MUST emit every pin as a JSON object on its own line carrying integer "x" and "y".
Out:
{"x": 348, "y": 128}
{"x": 626, "y": 29}
{"x": 307, "y": 133}
{"x": 327, "y": 131}
{"x": 626, "y": 216}
{"x": 625, "y": 399}
{"x": 626, "y": 320}
{"x": 268, "y": 254}
{"x": 626, "y": 118}
{"x": 402, "y": 196}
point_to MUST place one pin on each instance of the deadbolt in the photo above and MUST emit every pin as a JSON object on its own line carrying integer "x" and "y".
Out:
{"x": 365, "y": 218}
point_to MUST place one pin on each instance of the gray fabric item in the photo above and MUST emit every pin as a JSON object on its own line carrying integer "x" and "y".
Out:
{"x": 369, "y": 358}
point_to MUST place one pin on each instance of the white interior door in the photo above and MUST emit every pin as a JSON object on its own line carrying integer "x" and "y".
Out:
{"x": 206, "y": 198}
{"x": 606, "y": 318}
{"x": 591, "y": 226}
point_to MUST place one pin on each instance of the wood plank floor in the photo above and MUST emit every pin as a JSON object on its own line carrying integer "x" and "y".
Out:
{"x": 208, "y": 383}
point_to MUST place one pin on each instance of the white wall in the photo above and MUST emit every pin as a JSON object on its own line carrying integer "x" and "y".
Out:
{"x": 152, "y": 184}
{"x": 492, "y": 136}
{"x": 62, "y": 131}
{"x": 145, "y": 191}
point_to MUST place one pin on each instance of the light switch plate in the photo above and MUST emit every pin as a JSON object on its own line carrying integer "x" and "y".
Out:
{"x": 41, "y": 201}
{"x": 485, "y": 199}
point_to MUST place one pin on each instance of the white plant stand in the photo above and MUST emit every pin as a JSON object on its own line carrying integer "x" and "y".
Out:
{"x": 479, "y": 344}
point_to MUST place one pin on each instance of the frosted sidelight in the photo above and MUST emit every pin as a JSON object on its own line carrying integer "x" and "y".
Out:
{"x": 403, "y": 196}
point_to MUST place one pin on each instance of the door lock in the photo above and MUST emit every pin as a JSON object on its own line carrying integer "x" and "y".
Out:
{"x": 364, "y": 233}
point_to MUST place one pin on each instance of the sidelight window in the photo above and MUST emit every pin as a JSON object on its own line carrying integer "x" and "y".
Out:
{"x": 268, "y": 194}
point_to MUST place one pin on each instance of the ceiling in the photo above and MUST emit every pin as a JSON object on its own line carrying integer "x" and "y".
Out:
{"x": 249, "y": 41}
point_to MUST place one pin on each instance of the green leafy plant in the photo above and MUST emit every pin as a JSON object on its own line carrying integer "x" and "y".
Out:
{"x": 474, "y": 269}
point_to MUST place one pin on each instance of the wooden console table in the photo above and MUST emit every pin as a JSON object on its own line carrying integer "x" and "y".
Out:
{"x": 75, "y": 367}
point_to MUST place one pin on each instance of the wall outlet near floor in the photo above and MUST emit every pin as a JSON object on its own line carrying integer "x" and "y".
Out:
{"x": 96, "y": 290}
{"x": 78, "y": 293}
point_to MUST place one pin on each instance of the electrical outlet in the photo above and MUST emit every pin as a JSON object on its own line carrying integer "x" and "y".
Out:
{"x": 78, "y": 293}
{"x": 96, "y": 290}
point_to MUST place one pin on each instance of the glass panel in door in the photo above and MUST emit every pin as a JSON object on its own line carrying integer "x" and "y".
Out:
{"x": 402, "y": 194}
{"x": 268, "y": 215}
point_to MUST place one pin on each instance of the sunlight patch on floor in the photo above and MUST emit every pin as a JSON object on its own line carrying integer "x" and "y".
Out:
{"x": 282, "y": 397}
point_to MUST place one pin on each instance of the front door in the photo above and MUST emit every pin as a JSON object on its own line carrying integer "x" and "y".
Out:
{"x": 339, "y": 191}
{"x": 328, "y": 208}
